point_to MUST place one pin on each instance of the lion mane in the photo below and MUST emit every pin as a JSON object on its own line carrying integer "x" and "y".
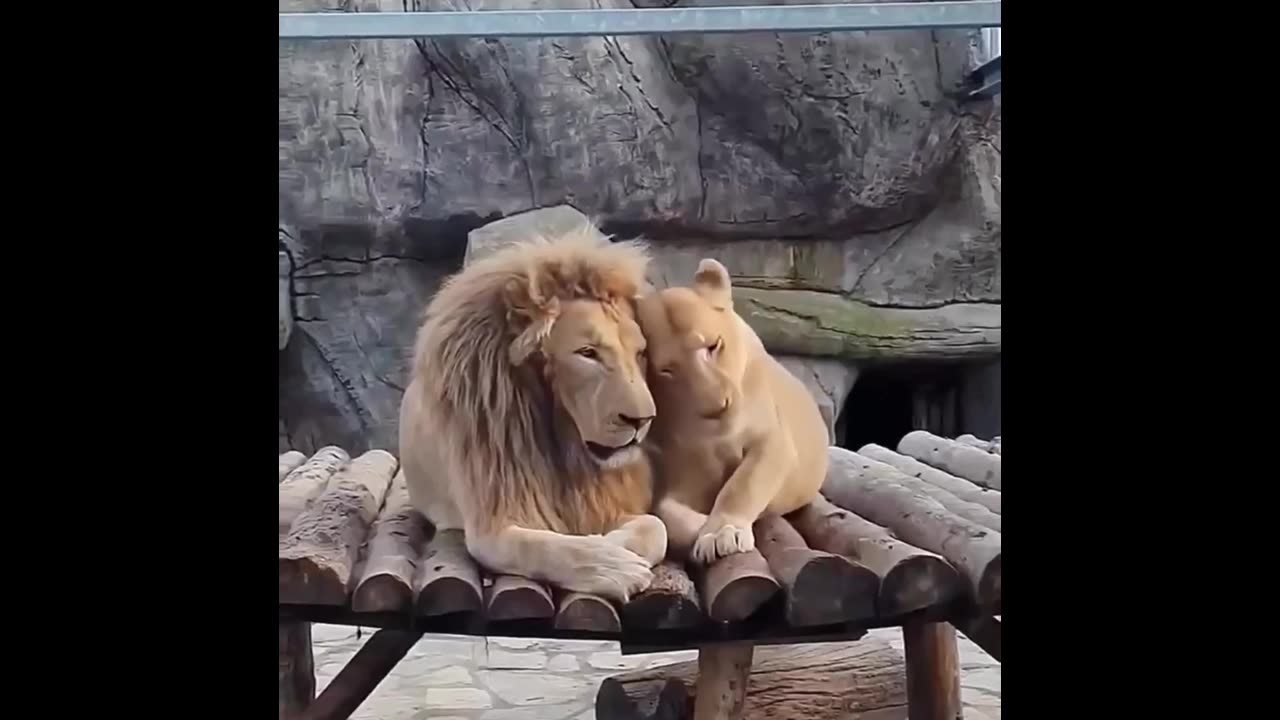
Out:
{"x": 491, "y": 416}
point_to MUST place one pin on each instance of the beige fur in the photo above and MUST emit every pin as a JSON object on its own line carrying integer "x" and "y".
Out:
{"x": 736, "y": 435}
{"x": 523, "y": 419}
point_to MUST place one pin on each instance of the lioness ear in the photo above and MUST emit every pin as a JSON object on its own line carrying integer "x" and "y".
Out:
{"x": 711, "y": 281}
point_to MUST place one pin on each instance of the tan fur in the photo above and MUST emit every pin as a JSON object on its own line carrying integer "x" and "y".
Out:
{"x": 523, "y": 358}
{"x": 737, "y": 435}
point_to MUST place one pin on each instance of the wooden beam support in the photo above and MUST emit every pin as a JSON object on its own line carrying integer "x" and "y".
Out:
{"x": 392, "y": 556}
{"x": 371, "y": 663}
{"x": 289, "y": 462}
{"x": 933, "y": 671}
{"x": 961, "y": 488}
{"x": 318, "y": 557}
{"x": 723, "y": 671}
{"x": 514, "y": 597}
{"x": 954, "y": 457}
{"x": 297, "y": 669}
{"x": 304, "y": 483}
{"x": 580, "y": 611}
{"x": 853, "y": 484}
{"x": 671, "y": 601}
{"x": 984, "y": 631}
{"x": 735, "y": 586}
{"x": 821, "y": 588}
{"x": 447, "y": 579}
{"x": 910, "y": 578}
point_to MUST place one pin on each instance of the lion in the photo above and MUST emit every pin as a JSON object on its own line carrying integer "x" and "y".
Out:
{"x": 526, "y": 412}
{"x": 736, "y": 434}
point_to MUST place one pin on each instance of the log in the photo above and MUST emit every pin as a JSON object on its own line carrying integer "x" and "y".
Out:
{"x": 933, "y": 671}
{"x": 392, "y": 555}
{"x": 735, "y": 586}
{"x": 961, "y": 488}
{"x": 822, "y": 324}
{"x": 965, "y": 509}
{"x": 920, "y": 520}
{"x": 822, "y": 588}
{"x": 362, "y": 673}
{"x": 289, "y": 462}
{"x": 447, "y": 580}
{"x": 956, "y": 458}
{"x": 974, "y": 441}
{"x": 723, "y": 673}
{"x": 816, "y": 681}
{"x": 318, "y": 557}
{"x": 305, "y": 482}
{"x": 297, "y": 669}
{"x": 672, "y": 702}
{"x": 670, "y": 601}
{"x": 580, "y": 611}
{"x": 911, "y": 579}
{"x": 513, "y": 597}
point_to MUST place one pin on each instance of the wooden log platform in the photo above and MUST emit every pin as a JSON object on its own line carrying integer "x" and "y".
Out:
{"x": 885, "y": 540}
{"x": 901, "y": 539}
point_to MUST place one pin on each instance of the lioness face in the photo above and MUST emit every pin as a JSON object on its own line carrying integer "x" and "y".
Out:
{"x": 595, "y": 362}
{"x": 696, "y": 355}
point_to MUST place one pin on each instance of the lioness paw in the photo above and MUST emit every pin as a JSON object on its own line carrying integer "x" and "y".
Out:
{"x": 728, "y": 540}
{"x": 611, "y": 571}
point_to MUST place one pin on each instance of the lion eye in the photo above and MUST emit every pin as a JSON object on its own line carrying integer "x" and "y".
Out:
{"x": 588, "y": 353}
{"x": 717, "y": 346}
{"x": 666, "y": 372}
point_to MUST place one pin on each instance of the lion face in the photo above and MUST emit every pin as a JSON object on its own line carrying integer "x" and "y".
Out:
{"x": 594, "y": 360}
{"x": 697, "y": 354}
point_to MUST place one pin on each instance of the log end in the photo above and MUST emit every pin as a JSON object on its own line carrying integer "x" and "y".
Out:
{"x": 738, "y": 585}
{"x": 303, "y": 581}
{"x": 512, "y": 597}
{"x": 382, "y": 593}
{"x": 672, "y": 702}
{"x": 829, "y": 590}
{"x": 446, "y": 594}
{"x": 580, "y": 611}
{"x": 916, "y": 583}
{"x": 661, "y": 610}
{"x": 670, "y": 601}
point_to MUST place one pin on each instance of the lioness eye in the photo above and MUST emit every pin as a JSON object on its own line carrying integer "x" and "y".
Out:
{"x": 588, "y": 353}
{"x": 718, "y": 345}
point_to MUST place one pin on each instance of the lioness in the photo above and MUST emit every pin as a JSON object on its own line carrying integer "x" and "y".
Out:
{"x": 528, "y": 403}
{"x": 736, "y": 434}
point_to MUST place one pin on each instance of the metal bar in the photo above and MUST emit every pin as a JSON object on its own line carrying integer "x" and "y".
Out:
{"x": 985, "y": 79}
{"x": 634, "y": 21}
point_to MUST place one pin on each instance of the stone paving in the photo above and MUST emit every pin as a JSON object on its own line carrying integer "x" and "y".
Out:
{"x": 453, "y": 677}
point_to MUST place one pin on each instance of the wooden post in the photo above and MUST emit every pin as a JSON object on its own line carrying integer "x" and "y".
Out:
{"x": 297, "y": 674}
{"x": 933, "y": 671}
{"x": 361, "y": 675}
{"x": 723, "y": 670}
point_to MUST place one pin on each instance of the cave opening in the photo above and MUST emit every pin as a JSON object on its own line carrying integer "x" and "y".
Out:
{"x": 947, "y": 399}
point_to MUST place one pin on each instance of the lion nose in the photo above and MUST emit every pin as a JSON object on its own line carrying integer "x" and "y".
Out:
{"x": 636, "y": 422}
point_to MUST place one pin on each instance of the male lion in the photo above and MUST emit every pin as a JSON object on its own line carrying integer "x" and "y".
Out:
{"x": 736, "y": 435}
{"x": 523, "y": 419}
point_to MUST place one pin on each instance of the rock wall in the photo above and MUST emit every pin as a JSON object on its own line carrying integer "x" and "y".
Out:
{"x": 835, "y": 175}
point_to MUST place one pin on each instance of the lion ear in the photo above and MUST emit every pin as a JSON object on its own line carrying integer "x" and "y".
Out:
{"x": 531, "y": 314}
{"x": 712, "y": 282}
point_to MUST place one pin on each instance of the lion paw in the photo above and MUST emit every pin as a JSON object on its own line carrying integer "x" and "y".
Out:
{"x": 602, "y": 568}
{"x": 729, "y": 539}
